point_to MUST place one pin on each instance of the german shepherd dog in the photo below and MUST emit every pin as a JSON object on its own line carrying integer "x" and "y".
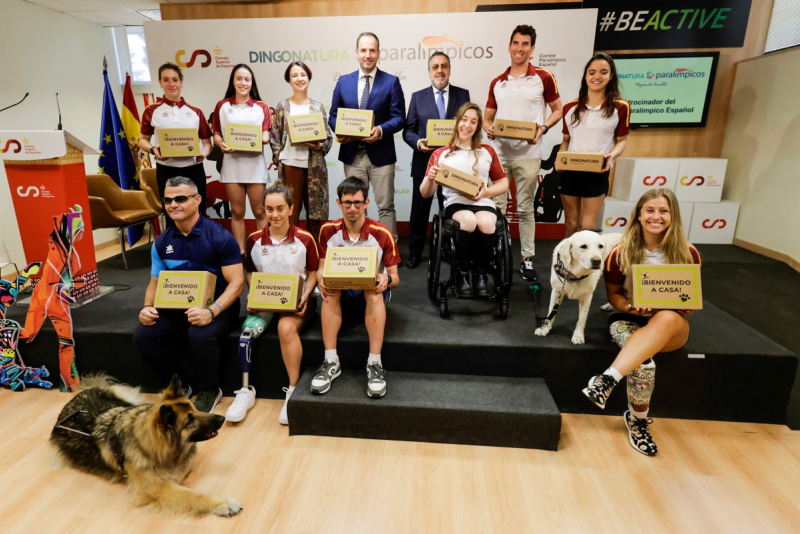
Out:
{"x": 108, "y": 430}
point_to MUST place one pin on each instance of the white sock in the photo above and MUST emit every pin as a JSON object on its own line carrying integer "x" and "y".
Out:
{"x": 613, "y": 372}
{"x": 374, "y": 358}
{"x": 331, "y": 356}
{"x": 638, "y": 415}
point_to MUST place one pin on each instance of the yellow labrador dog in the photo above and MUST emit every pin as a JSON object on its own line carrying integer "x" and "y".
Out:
{"x": 576, "y": 269}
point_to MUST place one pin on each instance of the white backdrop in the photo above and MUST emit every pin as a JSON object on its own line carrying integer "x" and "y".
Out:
{"x": 476, "y": 42}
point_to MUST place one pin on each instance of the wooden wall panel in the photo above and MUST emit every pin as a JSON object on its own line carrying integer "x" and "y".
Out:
{"x": 665, "y": 142}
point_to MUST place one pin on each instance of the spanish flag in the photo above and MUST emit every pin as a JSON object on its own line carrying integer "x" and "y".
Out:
{"x": 132, "y": 126}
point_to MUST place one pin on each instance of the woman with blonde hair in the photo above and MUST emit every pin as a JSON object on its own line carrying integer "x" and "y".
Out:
{"x": 654, "y": 236}
{"x": 466, "y": 153}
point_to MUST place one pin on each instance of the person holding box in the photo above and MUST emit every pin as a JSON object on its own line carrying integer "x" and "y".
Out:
{"x": 302, "y": 166}
{"x": 280, "y": 248}
{"x": 193, "y": 243}
{"x": 172, "y": 112}
{"x": 355, "y": 229}
{"x": 244, "y": 170}
{"x": 466, "y": 153}
{"x": 372, "y": 159}
{"x": 654, "y": 236}
{"x": 439, "y": 101}
{"x": 597, "y": 121}
{"x": 522, "y": 93}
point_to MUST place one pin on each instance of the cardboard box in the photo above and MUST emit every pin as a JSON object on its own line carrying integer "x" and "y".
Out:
{"x": 306, "y": 128}
{"x": 713, "y": 223}
{"x": 460, "y": 181}
{"x": 700, "y": 179}
{"x": 439, "y": 131}
{"x": 634, "y": 176}
{"x": 509, "y": 129}
{"x": 580, "y": 161}
{"x": 178, "y": 142}
{"x": 181, "y": 290}
{"x": 243, "y": 137}
{"x": 275, "y": 292}
{"x": 354, "y": 122}
{"x": 616, "y": 215}
{"x": 351, "y": 268}
{"x": 667, "y": 287}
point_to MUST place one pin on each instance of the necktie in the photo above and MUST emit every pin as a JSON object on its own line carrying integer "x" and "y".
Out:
{"x": 440, "y": 104}
{"x": 365, "y": 94}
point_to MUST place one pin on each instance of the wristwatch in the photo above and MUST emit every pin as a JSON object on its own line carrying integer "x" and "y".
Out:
{"x": 152, "y": 150}
{"x": 546, "y": 128}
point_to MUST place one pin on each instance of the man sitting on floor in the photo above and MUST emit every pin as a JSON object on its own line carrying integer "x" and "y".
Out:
{"x": 193, "y": 244}
{"x": 356, "y": 230}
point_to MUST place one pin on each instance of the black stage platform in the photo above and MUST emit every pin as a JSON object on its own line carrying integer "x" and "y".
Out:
{"x": 728, "y": 370}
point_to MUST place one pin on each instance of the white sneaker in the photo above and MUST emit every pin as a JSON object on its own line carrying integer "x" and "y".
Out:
{"x": 283, "y": 418}
{"x": 245, "y": 399}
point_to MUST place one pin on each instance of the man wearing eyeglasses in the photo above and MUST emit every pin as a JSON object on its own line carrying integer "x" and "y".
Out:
{"x": 439, "y": 101}
{"x": 355, "y": 229}
{"x": 194, "y": 243}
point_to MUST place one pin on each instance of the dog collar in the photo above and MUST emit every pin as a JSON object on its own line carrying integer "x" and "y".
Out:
{"x": 563, "y": 273}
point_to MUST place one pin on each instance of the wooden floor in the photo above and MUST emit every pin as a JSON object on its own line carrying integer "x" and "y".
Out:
{"x": 708, "y": 477}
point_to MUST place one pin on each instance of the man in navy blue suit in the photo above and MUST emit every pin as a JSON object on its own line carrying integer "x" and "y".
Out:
{"x": 372, "y": 160}
{"x": 439, "y": 101}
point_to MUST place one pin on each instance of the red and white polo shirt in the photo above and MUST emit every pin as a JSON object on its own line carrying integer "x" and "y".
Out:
{"x": 294, "y": 254}
{"x": 522, "y": 99}
{"x": 167, "y": 114}
{"x": 252, "y": 113}
{"x": 489, "y": 167}
{"x": 596, "y": 133}
{"x": 373, "y": 234}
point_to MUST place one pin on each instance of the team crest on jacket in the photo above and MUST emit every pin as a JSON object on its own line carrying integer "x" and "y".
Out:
{"x": 169, "y": 249}
{"x": 293, "y": 249}
{"x": 165, "y": 114}
{"x": 264, "y": 251}
{"x": 529, "y": 81}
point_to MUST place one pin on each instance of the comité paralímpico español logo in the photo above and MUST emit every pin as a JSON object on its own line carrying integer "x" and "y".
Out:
{"x": 695, "y": 180}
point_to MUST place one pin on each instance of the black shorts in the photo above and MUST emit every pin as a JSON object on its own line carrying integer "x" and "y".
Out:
{"x": 451, "y": 209}
{"x": 583, "y": 184}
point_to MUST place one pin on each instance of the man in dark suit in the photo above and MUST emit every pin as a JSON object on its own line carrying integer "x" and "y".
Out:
{"x": 372, "y": 160}
{"x": 439, "y": 101}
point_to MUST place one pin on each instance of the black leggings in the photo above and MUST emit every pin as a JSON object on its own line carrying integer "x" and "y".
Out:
{"x": 195, "y": 173}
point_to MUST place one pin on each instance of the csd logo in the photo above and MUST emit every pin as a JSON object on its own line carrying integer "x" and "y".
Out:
{"x": 708, "y": 223}
{"x": 179, "y": 58}
{"x": 699, "y": 180}
{"x": 654, "y": 180}
{"x": 30, "y": 191}
{"x": 10, "y": 142}
{"x": 619, "y": 221}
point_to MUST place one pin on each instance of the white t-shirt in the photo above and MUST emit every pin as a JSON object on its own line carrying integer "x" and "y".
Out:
{"x": 295, "y": 156}
{"x": 596, "y": 133}
{"x": 521, "y": 99}
{"x": 242, "y": 167}
{"x": 166, "y": 114}
{"x": 489, "y": 167}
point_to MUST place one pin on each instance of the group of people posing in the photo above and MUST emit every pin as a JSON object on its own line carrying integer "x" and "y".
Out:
{"x": 597, "y": 121}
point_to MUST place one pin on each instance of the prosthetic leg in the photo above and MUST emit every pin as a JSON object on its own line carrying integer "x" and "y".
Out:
{"x": 254, "y": 326}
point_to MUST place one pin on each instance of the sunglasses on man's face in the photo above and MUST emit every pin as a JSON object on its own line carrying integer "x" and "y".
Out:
{"x": 180, "y": 199}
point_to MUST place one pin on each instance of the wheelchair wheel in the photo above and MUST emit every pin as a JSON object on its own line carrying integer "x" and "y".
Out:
{"x": 442, "y": 307}
{"x": 434, "y": 259}
{"x": 504, "y": 309}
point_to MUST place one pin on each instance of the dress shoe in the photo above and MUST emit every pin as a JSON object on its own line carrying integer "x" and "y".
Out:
{"x": 480, "y": 285}
{"x": 413, "y": 261}
{"x": 463, "y": 287}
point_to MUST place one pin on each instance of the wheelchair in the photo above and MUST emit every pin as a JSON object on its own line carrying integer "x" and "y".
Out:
{"x": 442, "y": 248}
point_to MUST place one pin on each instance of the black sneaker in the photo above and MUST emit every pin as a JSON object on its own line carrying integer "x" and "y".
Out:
{"x": 206, "y": 401}
{"x": 528, "y": 271}
{"x": 639, "y": 434}
{"x": 325, "y": 376}
{"x": 376, "y": 380}
{"x": 600, "y": 387}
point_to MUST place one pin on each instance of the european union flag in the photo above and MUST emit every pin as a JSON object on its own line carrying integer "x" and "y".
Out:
{"x": 116, "y": 159}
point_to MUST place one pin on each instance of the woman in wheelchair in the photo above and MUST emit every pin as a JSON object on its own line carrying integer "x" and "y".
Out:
{"x": 476, "y": 215}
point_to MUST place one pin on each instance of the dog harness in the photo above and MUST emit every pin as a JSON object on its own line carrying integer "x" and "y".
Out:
{"x": 565, "y": 276}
